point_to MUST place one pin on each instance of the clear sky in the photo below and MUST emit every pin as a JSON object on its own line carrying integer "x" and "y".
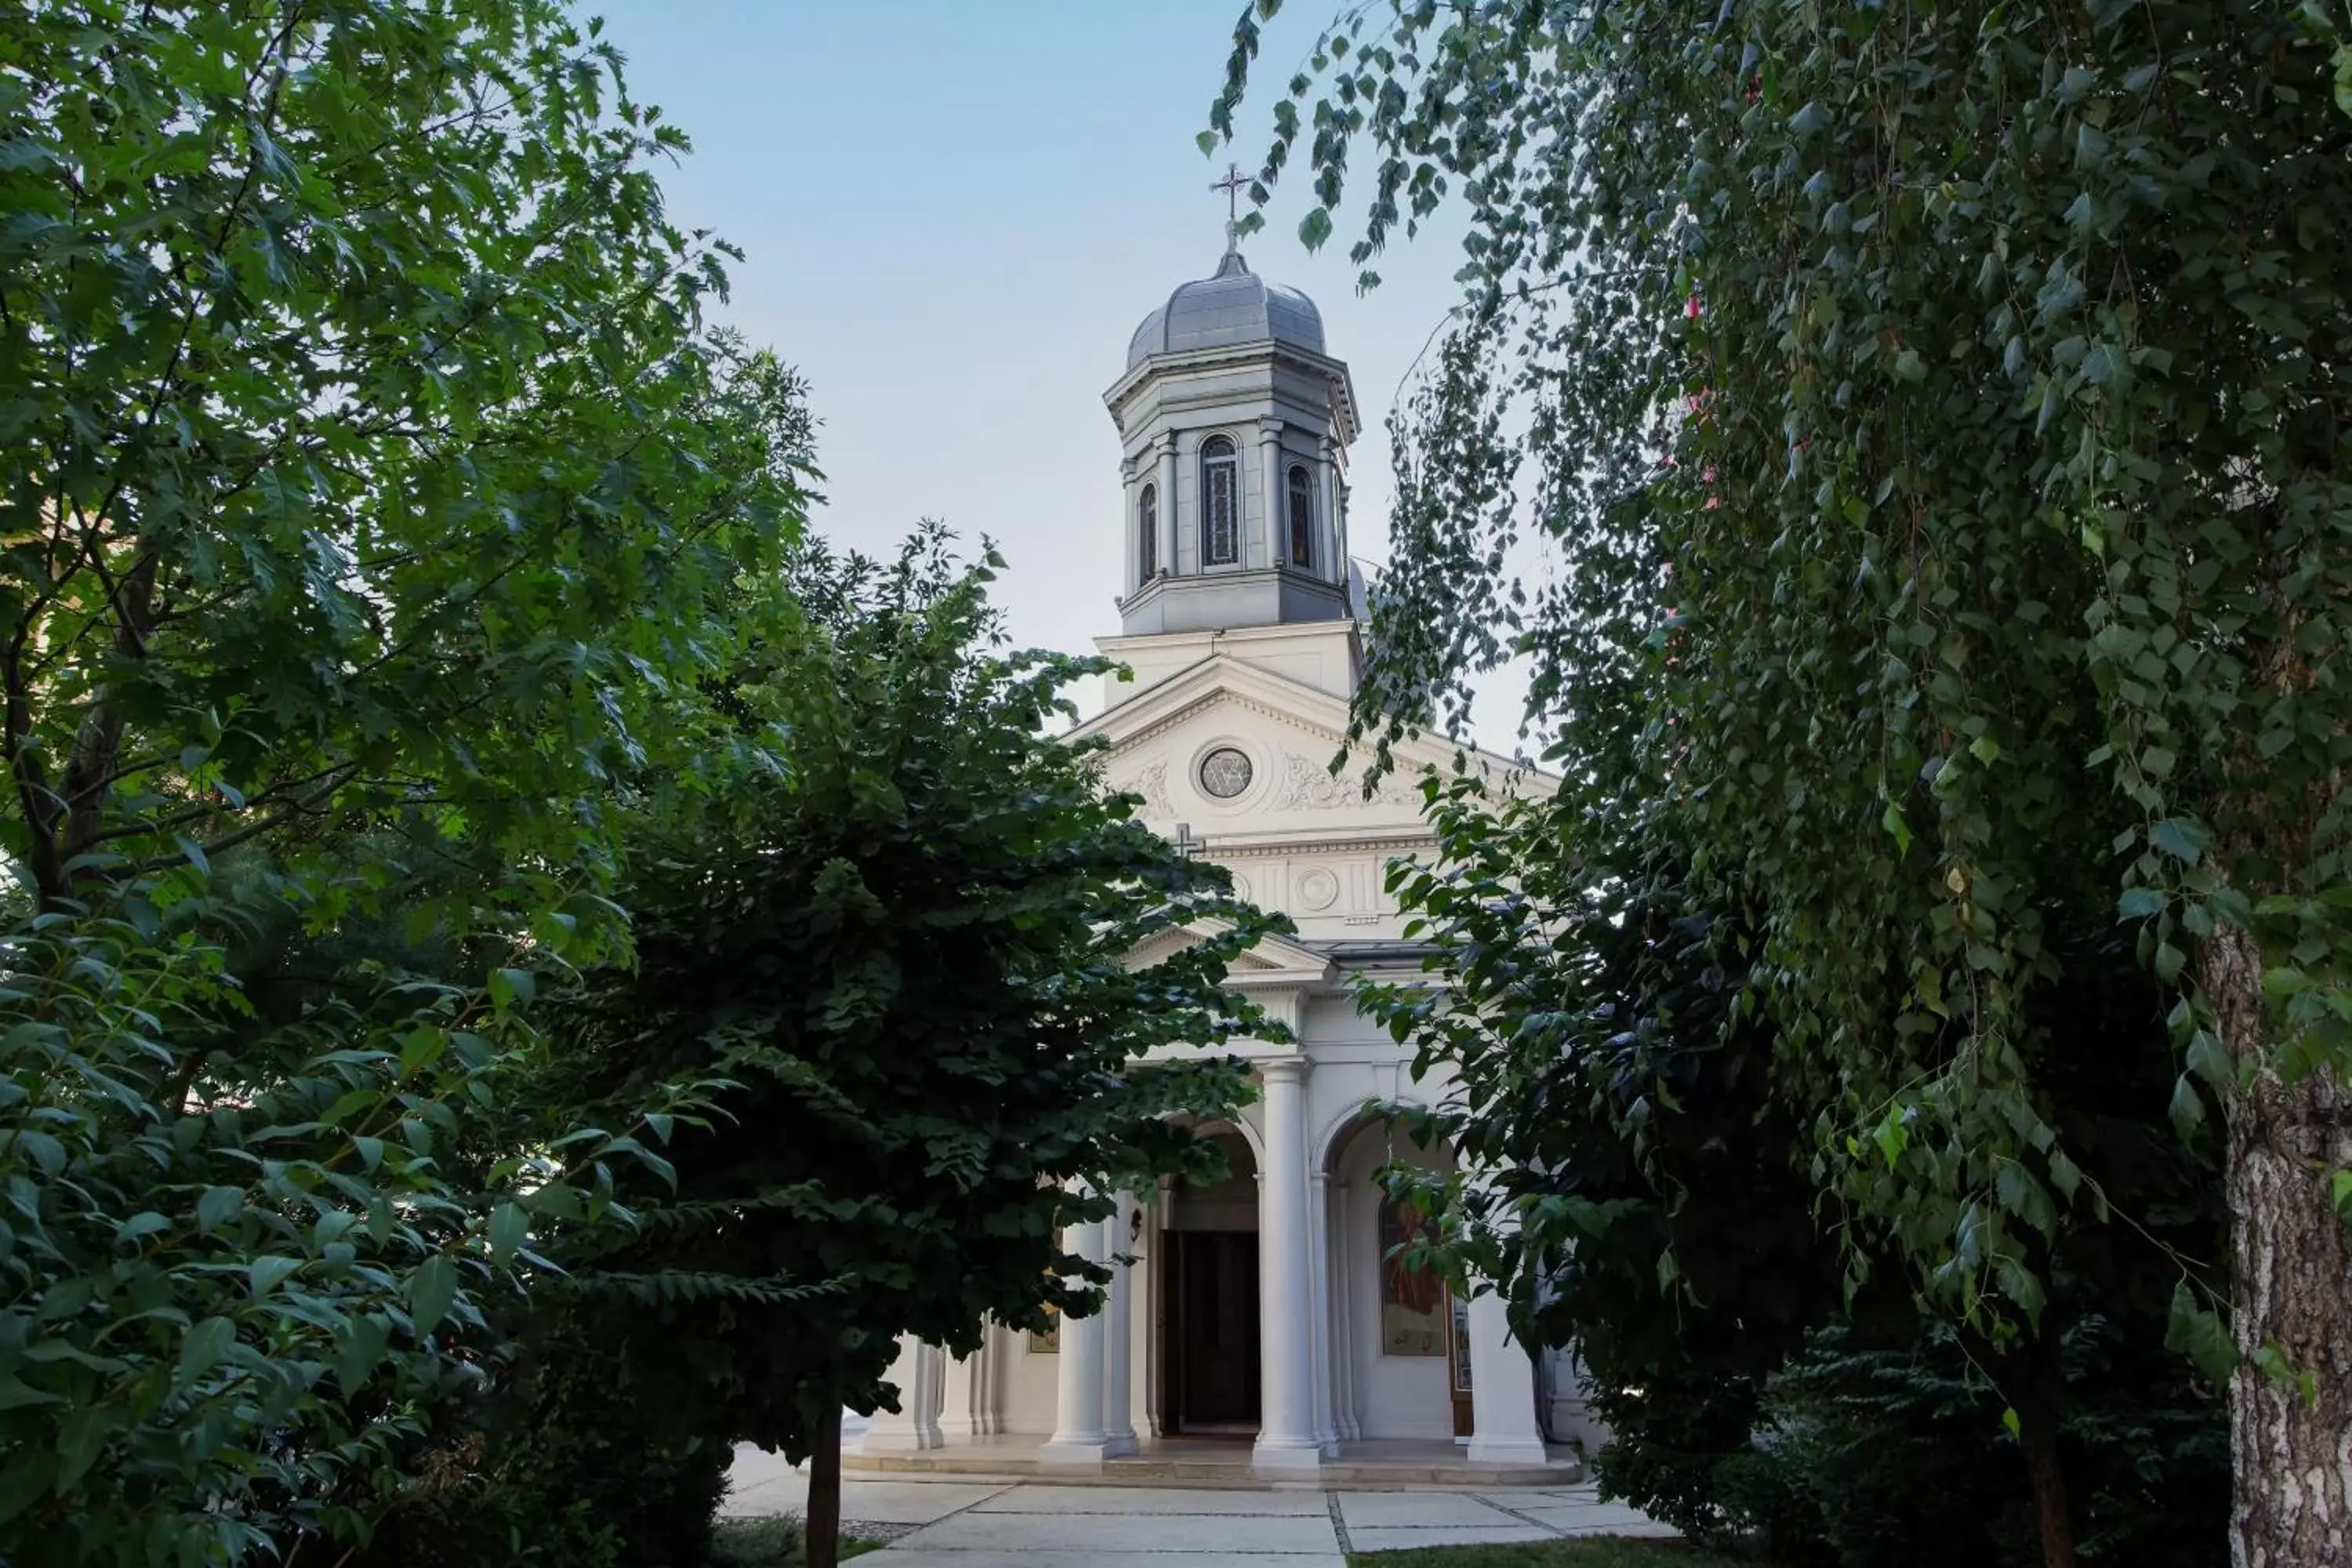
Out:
{"x": 955, "y": 212}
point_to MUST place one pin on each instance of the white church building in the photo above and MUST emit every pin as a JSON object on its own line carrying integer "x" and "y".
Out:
{"x": 1268, "y": 1310}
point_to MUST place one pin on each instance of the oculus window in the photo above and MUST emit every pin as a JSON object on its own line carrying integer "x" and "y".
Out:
{"x": 1226, "y": 773}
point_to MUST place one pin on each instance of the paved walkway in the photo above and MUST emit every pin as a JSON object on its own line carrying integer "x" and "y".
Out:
{"x": 1038, "y": 1524}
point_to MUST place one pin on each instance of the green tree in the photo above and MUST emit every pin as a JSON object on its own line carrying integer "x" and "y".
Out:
{"x": 910, "y": 962}
{"x": 1648, "y": 1207}
{"x": 373, "y": 502}
{"x": 1978, "y": 372}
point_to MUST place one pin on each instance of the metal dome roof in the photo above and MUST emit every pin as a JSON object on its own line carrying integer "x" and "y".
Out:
{"x": 1235, "y": 306}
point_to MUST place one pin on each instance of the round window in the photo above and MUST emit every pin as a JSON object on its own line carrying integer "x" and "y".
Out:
{"x": 1226, "y": 773}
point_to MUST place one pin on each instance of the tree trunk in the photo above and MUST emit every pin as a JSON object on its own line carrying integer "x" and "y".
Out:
{"x": 820, "y": 1534}
{"x": 2030, "y": 1379}
{"x": 2291, "y": 1287}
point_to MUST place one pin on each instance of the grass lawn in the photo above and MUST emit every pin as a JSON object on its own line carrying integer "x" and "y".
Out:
{"x": 1600, "y": 1551}
{"x": 771, "y": 1543}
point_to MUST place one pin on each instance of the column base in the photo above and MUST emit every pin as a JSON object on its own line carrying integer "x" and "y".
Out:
{"x": 1085, "y": 1454}
{"x": 1507, "y": 1451}
{"x": 897, "y": 1439}
{"x": 1300, "y": 1459}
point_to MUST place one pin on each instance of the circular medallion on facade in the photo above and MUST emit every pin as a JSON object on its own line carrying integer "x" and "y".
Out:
{"x": 1226, "y": 773}
{"x": 1318, "y": 889}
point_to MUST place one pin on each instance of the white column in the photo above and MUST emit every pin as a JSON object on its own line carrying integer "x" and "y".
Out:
{"x": 1319, "y": 1217}
{"x": 1119, "y": 1418}
{"x": 1344, "y": 1294}
{"x": 1286, "y": 1434}
{"x": 967, "y": 1409}
{"x": 1079, "y": 1435}
{"x": 1502, "y": 1390}
{"x": 1269, "y": 468}
{"x": 1153, "y": 1286}
{"x": 916, "y": 1426}
{"x": 1136, "y": 477}
{"x": 1339, "y": 518}
{"x": 1167, "y": 443}
{"x": 1327, "y": 497}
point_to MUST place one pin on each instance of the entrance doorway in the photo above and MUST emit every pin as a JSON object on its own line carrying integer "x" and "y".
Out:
{"x": 1213, "y": 1340}
{"x": 1209, "y": 1303}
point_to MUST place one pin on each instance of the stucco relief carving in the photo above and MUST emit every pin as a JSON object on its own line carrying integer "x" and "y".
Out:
{"x": 1151, "y": 783}
{"x": 1310, "y": 786}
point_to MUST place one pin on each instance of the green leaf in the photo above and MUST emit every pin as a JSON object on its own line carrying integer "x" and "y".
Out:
{"x": 2140, "y": 903}
{"x": 510, "y": 1227}
{"x": 15, "y": 1394}
{"x": 202, "y": 1348}
{"x": 2021, "y": 1284}
{"x": 23, "y": 1476}
{"x": 431, "y": 1289}
{"x": 217, "y": 1207}
{"x": 2064, "y": 1175}
{"x": 2187, "y": 1110}
{"x": 2183, "y": 837}
{"x": 1892, "y": 1135}
{"x": 2201, "y": 1335}
{"x": 1315, "y": 228}
{"x": 2208, "y": 1060}
{"x": 266, "y": 1273}
{"x": 81, "y": 1436}
{"x": 513, "y": 988}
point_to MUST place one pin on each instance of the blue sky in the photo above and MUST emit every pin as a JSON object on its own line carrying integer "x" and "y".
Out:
{"x": 955, "y": 213}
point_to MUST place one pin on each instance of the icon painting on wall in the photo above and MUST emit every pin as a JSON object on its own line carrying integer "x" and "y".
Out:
{"x": 1412, "y": 1300}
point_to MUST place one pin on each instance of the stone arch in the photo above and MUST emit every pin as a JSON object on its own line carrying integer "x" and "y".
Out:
{"x": 1334, "y": 1140}
{"x": 1239, "y": 1122}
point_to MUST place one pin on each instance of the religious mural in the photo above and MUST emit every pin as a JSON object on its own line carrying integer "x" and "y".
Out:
{"x": 1412, "y": 1300}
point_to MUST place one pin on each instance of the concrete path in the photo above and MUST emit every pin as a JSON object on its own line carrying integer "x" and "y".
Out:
{"x": 1036, "y": 1524}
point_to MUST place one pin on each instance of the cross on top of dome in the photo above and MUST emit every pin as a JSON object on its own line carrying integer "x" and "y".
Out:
{"x": 1233, "y": 184}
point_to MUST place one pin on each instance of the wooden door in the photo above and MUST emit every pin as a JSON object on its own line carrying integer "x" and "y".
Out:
{"x": 1215, "y": 1337}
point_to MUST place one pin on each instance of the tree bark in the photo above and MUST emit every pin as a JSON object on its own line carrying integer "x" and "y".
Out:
{"x": 2290, "y": 1440}
{"x": 2030, "y": 1379}
{"x": 820, "y": 1534}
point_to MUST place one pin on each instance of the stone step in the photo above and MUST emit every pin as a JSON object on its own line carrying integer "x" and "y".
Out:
{"x": 1223, "y": 1472}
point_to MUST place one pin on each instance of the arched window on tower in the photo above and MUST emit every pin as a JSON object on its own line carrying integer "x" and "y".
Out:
{"x": 1221, "y": 502}
{"x": 1146, "y": 535}
{"x": 1302, "y": 518}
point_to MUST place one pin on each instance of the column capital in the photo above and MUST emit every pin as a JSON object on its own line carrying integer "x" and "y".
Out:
{"x": 1164, "y": 442}
{"x": 1271, "y": 425}
{"x": 1284, "y": 1069}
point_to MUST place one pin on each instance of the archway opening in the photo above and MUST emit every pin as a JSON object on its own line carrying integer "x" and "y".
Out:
{"x": 1400, "y": 1365}
{"x": 1209, "y": 1301}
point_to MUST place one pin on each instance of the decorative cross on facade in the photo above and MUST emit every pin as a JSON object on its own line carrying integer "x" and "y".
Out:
{"x": 1186, "y": 845}
{"x": 1233, "y": 184}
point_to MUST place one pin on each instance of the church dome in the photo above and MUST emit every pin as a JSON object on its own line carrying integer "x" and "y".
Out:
{"x": 1237, "y": 306}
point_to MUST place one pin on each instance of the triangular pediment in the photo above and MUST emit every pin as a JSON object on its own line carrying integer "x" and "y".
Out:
{"x": 1152, "y": 745}
{"x": 1271, "y": 959}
